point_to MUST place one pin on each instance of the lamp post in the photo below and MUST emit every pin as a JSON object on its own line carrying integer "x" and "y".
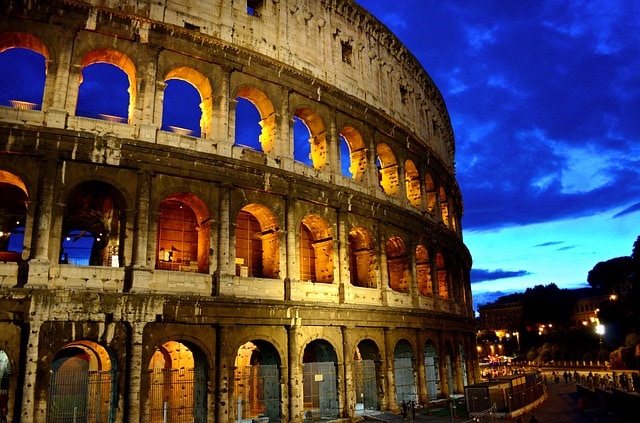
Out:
{"x": 517, "y": 335}
{"x": 600, "y": 331}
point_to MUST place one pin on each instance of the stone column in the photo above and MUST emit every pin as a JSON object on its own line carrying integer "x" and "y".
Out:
{"x": 56, "y": 87}
{"x": 39, "y": 263}
{"x": 342, "y": 254}
{"x": 226, "y": 265}
{"x": 292, "y": 270}
{"x": 134, "y": 403}
{"x": 421, "y": 379}
{"x": 295, "y": 376}
{"x": 30, "y": 373}
{"x": 389, "y": 347}
{"x": 349, "y": 389}
{"x": 141, "y": 224}
{"x": 222, "y": 374}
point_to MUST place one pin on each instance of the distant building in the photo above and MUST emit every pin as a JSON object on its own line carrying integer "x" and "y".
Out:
{"x": 501, "y": 317}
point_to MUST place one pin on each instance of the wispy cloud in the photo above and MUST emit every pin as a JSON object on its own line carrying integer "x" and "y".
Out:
{"x": 481, "y": 275}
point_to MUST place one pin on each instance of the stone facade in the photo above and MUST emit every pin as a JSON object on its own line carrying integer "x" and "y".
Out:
{"x": 223, "y": 282}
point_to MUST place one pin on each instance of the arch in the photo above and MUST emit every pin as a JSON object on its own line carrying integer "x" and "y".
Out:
{"x": 93, "y": 226}
{"x": 320, "y": 381}
{"x": 444, "y": 208}
{"x": 412, "y": 182}
{"x": 367, "y": 372}
{"x": 431, "y": 193}
{"x": 82, "y": 384}
{"x": 257, "y": 381}
{"x": 23, "y": 89}
{"x": 317, "y": 137}
{"x": 5, "y": 374}
{"x": 316, "y": 250}
{"x": 423, "y": 271}
{"x": 432, "y": 370}
{"x": 13, "y": 215}
{"x": 183, "y": 234}
{"x": 177, "y": 383}
{"x": 257, "y": 242}
{"x": 267, "y": 122}
{"x": 203, "y": 86}
{"x": 443, "y": 276}
{"x": 397, "y": 264}
{"x": 119, "y": 60}
{"x": 404, "y": 372}
{"x": 387, "y": 169}
{"x": 362, "y": 258}
{"x": 357, "y": 153}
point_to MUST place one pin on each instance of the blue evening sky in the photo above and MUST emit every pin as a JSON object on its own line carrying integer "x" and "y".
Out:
{"x": 544, "y": 98}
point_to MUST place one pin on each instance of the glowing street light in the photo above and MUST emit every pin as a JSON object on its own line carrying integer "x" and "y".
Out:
{"x": 600, "y": 331}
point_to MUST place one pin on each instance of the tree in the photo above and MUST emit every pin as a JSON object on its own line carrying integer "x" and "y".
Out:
{"x": 611, "y": 274}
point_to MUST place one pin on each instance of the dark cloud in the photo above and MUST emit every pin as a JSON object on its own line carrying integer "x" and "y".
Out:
{"x": 544, "y": 99}
{"x": 631, "y": 209}
{"x": 481, "y": 275}
{"x": 549, "y": 244}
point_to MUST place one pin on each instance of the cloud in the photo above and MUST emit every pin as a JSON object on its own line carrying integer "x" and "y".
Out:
{"x": 481, "y": 275}
{"x": 631, "y": 209}
{"x": 549, "y": 244}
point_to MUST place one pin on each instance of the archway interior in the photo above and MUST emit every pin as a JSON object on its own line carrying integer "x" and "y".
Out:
{"x": 82, "y": 384}
{"x": 320, "y": 382}
{"x": 5, "y": 373}
{"x": 13, "y": 214}
{"x": 361, "y": 258}
{"x": 257, "y": 381}
{"x": 404, "y": 372}
{"x": 367, "y": 372}
{"x": 177, "y": 384}
{"x": 397, "y": 264}
{"x": 432, "y": 371}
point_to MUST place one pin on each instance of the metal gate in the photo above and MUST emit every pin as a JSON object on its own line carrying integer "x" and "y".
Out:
{"x": 432, "y": 373}
{"x": 320, "y": 390}
{"x": 405, "y": 380}
{"x": 366, "y": 385}
{"x": 258, "y": 392}
{"x": 177, "y": 396}
{"x": 78, "y": 396}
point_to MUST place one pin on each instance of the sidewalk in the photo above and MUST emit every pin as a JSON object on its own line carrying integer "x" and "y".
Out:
{"x": 561, "y": 406}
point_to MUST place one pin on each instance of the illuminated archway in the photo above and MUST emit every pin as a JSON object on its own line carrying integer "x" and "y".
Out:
{"x": 367, "y": 372}
{"x": 362, "y": 258}
{"x": 317, "y": 139}
{"x": 397, "y": 264}
{"x": 82, "y": 384}
{"x": 87, "y": 102}
{"x": 19, "y": 50}
{"x": 316, "y": 250}
{"x": 257, "y": 242}
{"x": 13, "y": 215}
{"x": 267, "y": 120}
{"x": 183, "y": 234}
{"x": 356, "y": 153}
{"x": 431, "y": 193}
{"x": 177, "y": 384}
{"x": 444, "y": 208}
{"x": 93, "y": 226}
{"x": 423, "y": 271}
{"x": 443, "y": 277}
{"x": 412, "y": 182}
{"x": 257, "y": 381}
{"x": 387, "y": 169}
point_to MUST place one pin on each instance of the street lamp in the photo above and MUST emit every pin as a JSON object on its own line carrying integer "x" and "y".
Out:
{"x": 517, "y": 335}
{"x": 600, "y": 331}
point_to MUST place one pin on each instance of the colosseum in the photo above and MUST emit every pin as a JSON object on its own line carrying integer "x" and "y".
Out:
{"x": 294, "y": 255}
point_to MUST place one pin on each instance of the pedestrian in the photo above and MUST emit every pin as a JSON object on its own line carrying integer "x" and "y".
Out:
{"x": 533, "y": 419}
{"x": 404, "y": 409}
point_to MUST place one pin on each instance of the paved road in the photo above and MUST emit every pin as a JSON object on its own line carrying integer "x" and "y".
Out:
{"x": 561, "y": 406}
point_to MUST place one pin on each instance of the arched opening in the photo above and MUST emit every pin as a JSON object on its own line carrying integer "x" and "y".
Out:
{"x": 93, "y": 226}
{"x": 257, "y": 382}
{"x": 316, "y": 250}
{"x": 362, "y": 258}
{"x": 177, "y": 384}
{"x": 423, "y": 271}
{"x": 387, "y": 169}
{"x": 443, "y": 277}
{"x": 183, "y": 234}
{"x": 5, "y": 374}
{"x": 404, "y": 372}
{"x": 449, "y": 365}
{"x": 431, "y": 194}
{"x": 432, "y": 371}
{"x": 82, "y": 384}
{"x": 367, "y": 371}
{"x": 310, "y": 143}
{"x": 257, "y": 243}
{"x": 397, "y": 264}
{"x": 444, "y": 208}
{"x": 107, "y": 88}
{"x": 13, "y": 214}
{"x": 353, "y": 154}
{"x": 463, "y": 363}
{"x": 255, "y": 120}
{"x": 412, "y": 183}
{"x": 23, "y": 70}
{"x": 320, "y": 381}
{"x": 188, "y": 103}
